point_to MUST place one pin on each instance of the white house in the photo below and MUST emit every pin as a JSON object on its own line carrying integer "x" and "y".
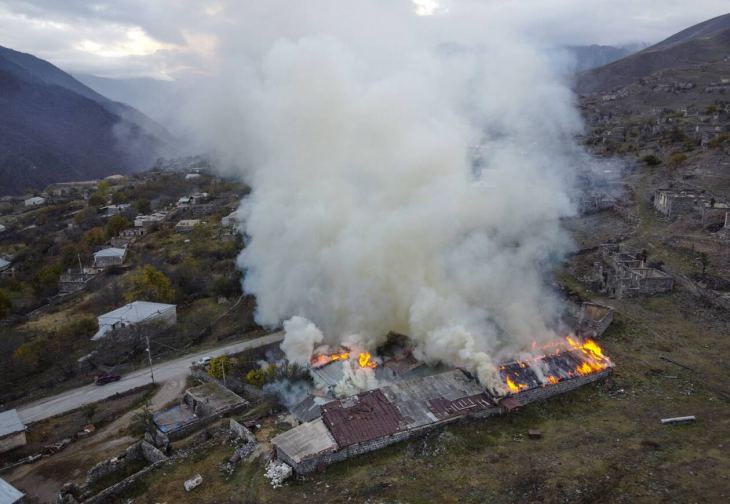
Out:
{"x": 34, "y": 201}
{"x": 12, "y": 431}
{"x": 9, "y": 494}
{"x": 231, "y": 220}
{"x": 186, "y": 225}
{"x": 149, "y": 220}
{"x": 192, "y": 176}
{"x": 111, "y": 210}
{"x": 111, "y": 256}
{"x": 2, "y": 228}
{"x": 4, "y": 264}
{"x": 136, "y": 313}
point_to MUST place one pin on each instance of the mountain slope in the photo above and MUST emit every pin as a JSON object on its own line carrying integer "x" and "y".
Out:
{"x": 700, "y": 44}
{"x": 54, "y": 128}
{"x": 594, "y": 56}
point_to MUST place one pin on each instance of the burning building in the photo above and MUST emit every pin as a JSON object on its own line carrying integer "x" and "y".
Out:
{"x": 406, "y": 408}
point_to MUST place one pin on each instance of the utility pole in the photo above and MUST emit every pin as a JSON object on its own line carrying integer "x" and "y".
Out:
{"x": 149, "y": 356}
{"x": 223, "y": 366}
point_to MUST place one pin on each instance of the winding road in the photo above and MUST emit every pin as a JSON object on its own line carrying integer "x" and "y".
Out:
{"x": 163, "y": 371}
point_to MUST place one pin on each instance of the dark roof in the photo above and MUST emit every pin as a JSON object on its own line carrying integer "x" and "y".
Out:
{"x": 444, "y": 408}
{"x": 360, "y": 418}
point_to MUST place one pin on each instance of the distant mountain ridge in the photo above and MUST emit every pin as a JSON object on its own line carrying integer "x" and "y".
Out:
{"x": 699, "y": 44}
{"x": 54, "y": 128}
{"x": 594, "y": 56}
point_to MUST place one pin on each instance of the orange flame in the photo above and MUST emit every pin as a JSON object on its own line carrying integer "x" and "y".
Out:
{"x": 319, "y": 360}
{"x": 592, "y": 360}
{"x": 365, "y": 360}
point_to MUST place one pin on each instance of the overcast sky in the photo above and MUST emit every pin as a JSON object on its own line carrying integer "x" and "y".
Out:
{"x": 172, "y": 38}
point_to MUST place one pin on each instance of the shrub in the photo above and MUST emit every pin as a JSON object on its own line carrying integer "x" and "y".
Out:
{"x": 651, "y": 160}
{"x": 150, "y": 284}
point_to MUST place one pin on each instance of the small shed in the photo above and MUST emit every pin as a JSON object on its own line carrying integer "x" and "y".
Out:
{"x": 12, "y": 431}
{"x": 34, "y": 201}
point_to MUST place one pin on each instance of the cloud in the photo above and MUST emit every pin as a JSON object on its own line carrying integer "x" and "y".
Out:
{"x": 170, "y": 38}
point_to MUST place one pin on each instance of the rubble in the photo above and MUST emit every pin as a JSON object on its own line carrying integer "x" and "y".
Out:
{"x": 277, "y": 473}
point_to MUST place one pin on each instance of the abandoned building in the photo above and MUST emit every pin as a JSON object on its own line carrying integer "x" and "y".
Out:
{"x": 111, "y": 256}
{"x": 199, "y": 406}
{"x": 623, "y": 274}
{"x": 12, "y": 431}
{"x": 135, "y": 314}
{"x": 9, "y": 494}
{"x": 594, "y": 319}
{"x": 186, "y": 225}
{"x": 405, "y": 409}
{"x": 73, "y": 281}
{"x": 713, "y": 212}
{"x": 671, "y": 203}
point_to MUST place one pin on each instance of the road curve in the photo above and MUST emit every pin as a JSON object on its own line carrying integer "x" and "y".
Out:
{"x": 75, "y": 398}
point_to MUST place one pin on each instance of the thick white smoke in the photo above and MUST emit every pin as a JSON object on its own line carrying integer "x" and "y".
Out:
{"x": 419, "y": 193}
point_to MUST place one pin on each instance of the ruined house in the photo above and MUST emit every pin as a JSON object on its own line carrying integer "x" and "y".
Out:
{"x": 671, "y": 203}
{"x": 73, "y": 281}
{"x": 623, "y": 274}
{"x": 594, "y": 319}
{"x": 713, "y": 212}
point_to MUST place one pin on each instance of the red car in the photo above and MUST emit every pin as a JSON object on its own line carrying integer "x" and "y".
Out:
{"x": 105, "y": 378}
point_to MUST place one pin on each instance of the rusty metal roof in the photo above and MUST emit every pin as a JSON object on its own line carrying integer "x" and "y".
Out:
{"x": 360, "y": 418}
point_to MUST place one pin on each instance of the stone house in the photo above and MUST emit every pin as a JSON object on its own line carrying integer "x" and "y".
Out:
{"x": 623, "y": 274}
{"x": 135, "y": 314}
{"x": 111, "y": 256}
{"x": 671, "y": 203}
{"x": 186, "y": 225}
{"x": 34, "y": 201}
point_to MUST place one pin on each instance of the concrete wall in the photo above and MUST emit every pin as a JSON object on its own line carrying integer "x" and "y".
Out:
{"x": 12, "y": 441}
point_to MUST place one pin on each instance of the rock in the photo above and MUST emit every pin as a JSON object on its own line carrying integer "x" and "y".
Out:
{"x": 534, "y": 434}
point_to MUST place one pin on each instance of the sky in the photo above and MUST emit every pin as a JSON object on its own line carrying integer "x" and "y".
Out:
{"x": 169, "y": 39}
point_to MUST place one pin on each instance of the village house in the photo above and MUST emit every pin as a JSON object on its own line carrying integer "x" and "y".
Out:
{"x": 34, "y": 201}
{"x": 187, "y": 225}
{"x": 4, "y": 265}
{"x": 231, "y": 220}
{"x": 73, "y": 281}
{"x": 131, "y": 233}
{"x": 120, "y": 209}
{"x": 111, "y": 256}
{"x": 713, "y": 212}
{"x": 671, "y": 203}
{"x": 135, "y": 314}
{"x": 192, "y": 176}
{"x": 146, "y": 221}
{"x": 12, "y": 431}
{"x": 623, "y": 274}
{"x": 72, "y": 189}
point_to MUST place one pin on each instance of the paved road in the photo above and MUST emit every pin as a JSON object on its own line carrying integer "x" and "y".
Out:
{"x": 174, "y": 369}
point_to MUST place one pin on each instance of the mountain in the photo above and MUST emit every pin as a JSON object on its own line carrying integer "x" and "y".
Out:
{"x": 593, "y": 56}
{"x": 53, "y": 128}
{"x": 158, "y": 99}
{"x": 700, "y": 44}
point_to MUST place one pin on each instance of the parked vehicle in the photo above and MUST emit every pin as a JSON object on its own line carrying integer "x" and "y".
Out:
{"x": 204, "y": 361}
{"x": 105, "y": 378}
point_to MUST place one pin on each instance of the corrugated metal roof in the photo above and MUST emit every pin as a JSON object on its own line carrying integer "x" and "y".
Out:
{"x": 10, "y": 423}
{"x": 8, "y": 493}
{"x": 111, "y": 252}
{"x": 132, "y": 313}
{"x": 363, "y": 417}
{"x": 305, "y": 440}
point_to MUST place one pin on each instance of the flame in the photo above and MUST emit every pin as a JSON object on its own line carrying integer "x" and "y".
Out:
{"x": 365, "y": 360}
{"x": 591, "y": 356}
{"x": 322, "y": 359}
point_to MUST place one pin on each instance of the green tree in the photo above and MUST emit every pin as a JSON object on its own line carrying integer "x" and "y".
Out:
{"x": 150, "y": 284}
{"x": 103, "y": 188}
{"x": 143, "y": 206}
{"x": 97, "y": 199}
{"x": 45, "y": 282}
{"x": 115, "y": 224}
{"x": 220, "y": 367}
{"x": 119, "y": 197}
{"x": 95, "y": 237}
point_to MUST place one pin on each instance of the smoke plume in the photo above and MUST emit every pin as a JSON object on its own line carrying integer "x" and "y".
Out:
{"x": 412, "y": 184}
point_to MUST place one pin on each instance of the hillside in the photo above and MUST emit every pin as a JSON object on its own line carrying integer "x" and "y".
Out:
{"x": 54, "y": 128}
{"x": 704, "y": 43}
